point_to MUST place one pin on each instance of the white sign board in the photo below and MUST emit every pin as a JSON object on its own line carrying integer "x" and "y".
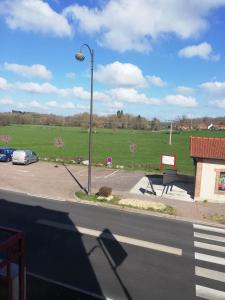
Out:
{"x": 168, "y": 160}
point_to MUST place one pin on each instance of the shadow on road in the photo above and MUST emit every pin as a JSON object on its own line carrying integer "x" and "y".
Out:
{"x": 57, "y": 262}
{"x": 115, "y": 255}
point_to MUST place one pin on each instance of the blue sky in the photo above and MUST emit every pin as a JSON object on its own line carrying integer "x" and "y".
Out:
{"x": 159, "y": 59}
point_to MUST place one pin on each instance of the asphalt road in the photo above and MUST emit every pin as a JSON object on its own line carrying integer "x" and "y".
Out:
{"x": 76, "y": 251}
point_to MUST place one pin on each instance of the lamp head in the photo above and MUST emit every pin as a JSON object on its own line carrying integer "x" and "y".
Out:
{"x": 80, "y": 56}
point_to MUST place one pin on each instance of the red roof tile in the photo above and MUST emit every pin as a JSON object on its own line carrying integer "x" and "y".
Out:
{"x": 204, "y": 147}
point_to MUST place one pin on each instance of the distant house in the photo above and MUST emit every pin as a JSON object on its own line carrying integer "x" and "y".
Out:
{"x": 217, "y": 127}
{"x": 209, "y": 158}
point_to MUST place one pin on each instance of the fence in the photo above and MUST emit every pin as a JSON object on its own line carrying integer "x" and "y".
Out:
{"x": 11, "y": 251}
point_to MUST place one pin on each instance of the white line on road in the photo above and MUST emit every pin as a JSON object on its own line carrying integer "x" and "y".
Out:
{"x": 119, "y": 238}
{"x": 81, "y": 171}
{"x": 209, "y": 237}
{"x": 211, "y": 274}
{"x": 209, "y": 247}
{"x": 210, "y": 294}
{"x": 111, "y": 174}
{"x": 210, "y": 258}
{"x": 68, "y": 286}
{"x": 209, "y": 228}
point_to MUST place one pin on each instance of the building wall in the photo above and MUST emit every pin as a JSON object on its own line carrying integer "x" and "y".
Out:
{"x": 208, "y": 179}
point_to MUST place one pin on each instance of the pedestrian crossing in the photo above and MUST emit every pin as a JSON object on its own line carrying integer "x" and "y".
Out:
{"x": 209, "y": 254}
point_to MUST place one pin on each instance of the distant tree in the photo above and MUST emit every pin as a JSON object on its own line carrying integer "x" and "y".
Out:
{"x": 155, "y": 124}
{"x": 5, "y": 138}
{"x": 58, "y": 143}
{"x": 119, "y": 113}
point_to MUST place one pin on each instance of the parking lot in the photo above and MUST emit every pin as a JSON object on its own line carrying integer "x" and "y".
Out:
{"x": 61, "y": 182}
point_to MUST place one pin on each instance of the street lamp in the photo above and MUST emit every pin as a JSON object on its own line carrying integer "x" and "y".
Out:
{"x": 80, "y": 56}
{"x": 171, "y": 130}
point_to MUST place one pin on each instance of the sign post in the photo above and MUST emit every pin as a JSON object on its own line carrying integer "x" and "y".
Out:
{"x": 168, "y": 159}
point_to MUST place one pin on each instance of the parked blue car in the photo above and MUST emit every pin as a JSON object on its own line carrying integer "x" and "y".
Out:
{"x": 6, "y": 154}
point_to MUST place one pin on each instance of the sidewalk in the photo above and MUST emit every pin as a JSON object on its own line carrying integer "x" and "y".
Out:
{"x": 46, "y": 180}
{"x": 196, "y": 211}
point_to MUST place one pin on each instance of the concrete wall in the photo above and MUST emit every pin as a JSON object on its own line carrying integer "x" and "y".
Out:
{"x": 208, "y": 181}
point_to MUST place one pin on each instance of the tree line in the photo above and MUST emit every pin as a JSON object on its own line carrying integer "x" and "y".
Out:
{"x": 119, "y": 120}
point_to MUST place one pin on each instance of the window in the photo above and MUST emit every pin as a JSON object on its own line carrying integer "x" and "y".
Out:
{"x": 221, "y": 183}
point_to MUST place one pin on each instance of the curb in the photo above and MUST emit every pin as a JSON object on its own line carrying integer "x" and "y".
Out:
{"x": 120, "y": 208}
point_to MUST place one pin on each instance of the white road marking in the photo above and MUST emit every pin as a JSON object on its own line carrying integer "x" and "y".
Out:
{"x": 119, "y": 238}
{"x": 210, "y": 294}
{"x": 68, "y": 286}
{"x": 209, "y": 228}
{"x": 111, "y": 174}
{"x": 209, "y": 237}
{"x": 209, "y": 247}
{"x": 81, "y": 171}
{"x": 24, "y": 171}
{"x": 211, "y": 274}
{"x": 210, "y": 258}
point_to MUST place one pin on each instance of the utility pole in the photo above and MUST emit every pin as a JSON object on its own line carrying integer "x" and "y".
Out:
{"x": 171, "y": 130}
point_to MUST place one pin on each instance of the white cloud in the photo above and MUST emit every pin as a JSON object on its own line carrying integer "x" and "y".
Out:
{"x": 203, "y": 50}
{"x": 218, "y": 103}
{"x": 125, "y": 75}
{"x": 34, "y": 104}
{"x": 132, "y": 25}
{"x": 118, "y": 73}
{"x": 132, "y": 96}
{"x": 185, "y": 90}
{"x": 51, "y": 104}
{"x": 78, "y": 92}
{"x": 37, "y": 70}
{"x": 214, "y": 87}
{"x": 21, "y": 105}
{"x": 33, "y": 87}
{"x": 114, "y": 105}
{"x": 3, "y": 84}
{"x": 101, "y": 96}
{"x": 59, "y": 105}
{"x": 181, "y": 100}
{"x": 70, "y": 75}
{"x": 35, "y": 16}
{"x": 68, "y": 105}
{"x": 155, "y": 80}
{"x": 6, "y": 101}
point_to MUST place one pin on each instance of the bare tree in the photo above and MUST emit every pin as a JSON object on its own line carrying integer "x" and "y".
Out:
{"x": 5, "y": 138}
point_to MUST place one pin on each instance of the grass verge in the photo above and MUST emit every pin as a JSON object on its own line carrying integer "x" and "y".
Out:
{"x": 167, "y": 209}
{"x": 217, "y": 218}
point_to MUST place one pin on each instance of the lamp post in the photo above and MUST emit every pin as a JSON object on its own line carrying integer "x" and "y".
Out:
{"x": 171, "y": 130}
{"x": 80, "y": 56}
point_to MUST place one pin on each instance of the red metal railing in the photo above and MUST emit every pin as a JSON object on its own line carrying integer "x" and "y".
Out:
{"x": 12, "y": 249}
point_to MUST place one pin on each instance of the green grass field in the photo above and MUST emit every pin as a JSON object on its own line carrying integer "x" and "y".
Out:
{"x": 106, "y": 142}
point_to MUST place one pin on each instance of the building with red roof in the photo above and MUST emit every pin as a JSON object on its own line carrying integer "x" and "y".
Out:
{"x": 209, "y": 158}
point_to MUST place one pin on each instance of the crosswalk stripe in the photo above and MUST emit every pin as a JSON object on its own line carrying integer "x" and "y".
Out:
{"x": 209, "y": 228}
{"x": 209, "y": 247}
{"x": 210, "y": 258}
{"x": 211, "y": 274}
{"x": 209, "y": 237}
{"x": 210, "y": 294}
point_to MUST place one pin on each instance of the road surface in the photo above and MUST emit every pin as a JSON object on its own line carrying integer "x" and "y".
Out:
{"x": 78, "y": 251}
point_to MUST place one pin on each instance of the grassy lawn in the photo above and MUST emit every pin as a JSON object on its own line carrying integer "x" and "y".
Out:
{"x": 106, "y": 142}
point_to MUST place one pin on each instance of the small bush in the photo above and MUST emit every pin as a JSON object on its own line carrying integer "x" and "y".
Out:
{"x": 104, "y": 191}
{"x": 78, "y": 159}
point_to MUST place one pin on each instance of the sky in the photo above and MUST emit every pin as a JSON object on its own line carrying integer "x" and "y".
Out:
{"x": 161, "y": 58}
